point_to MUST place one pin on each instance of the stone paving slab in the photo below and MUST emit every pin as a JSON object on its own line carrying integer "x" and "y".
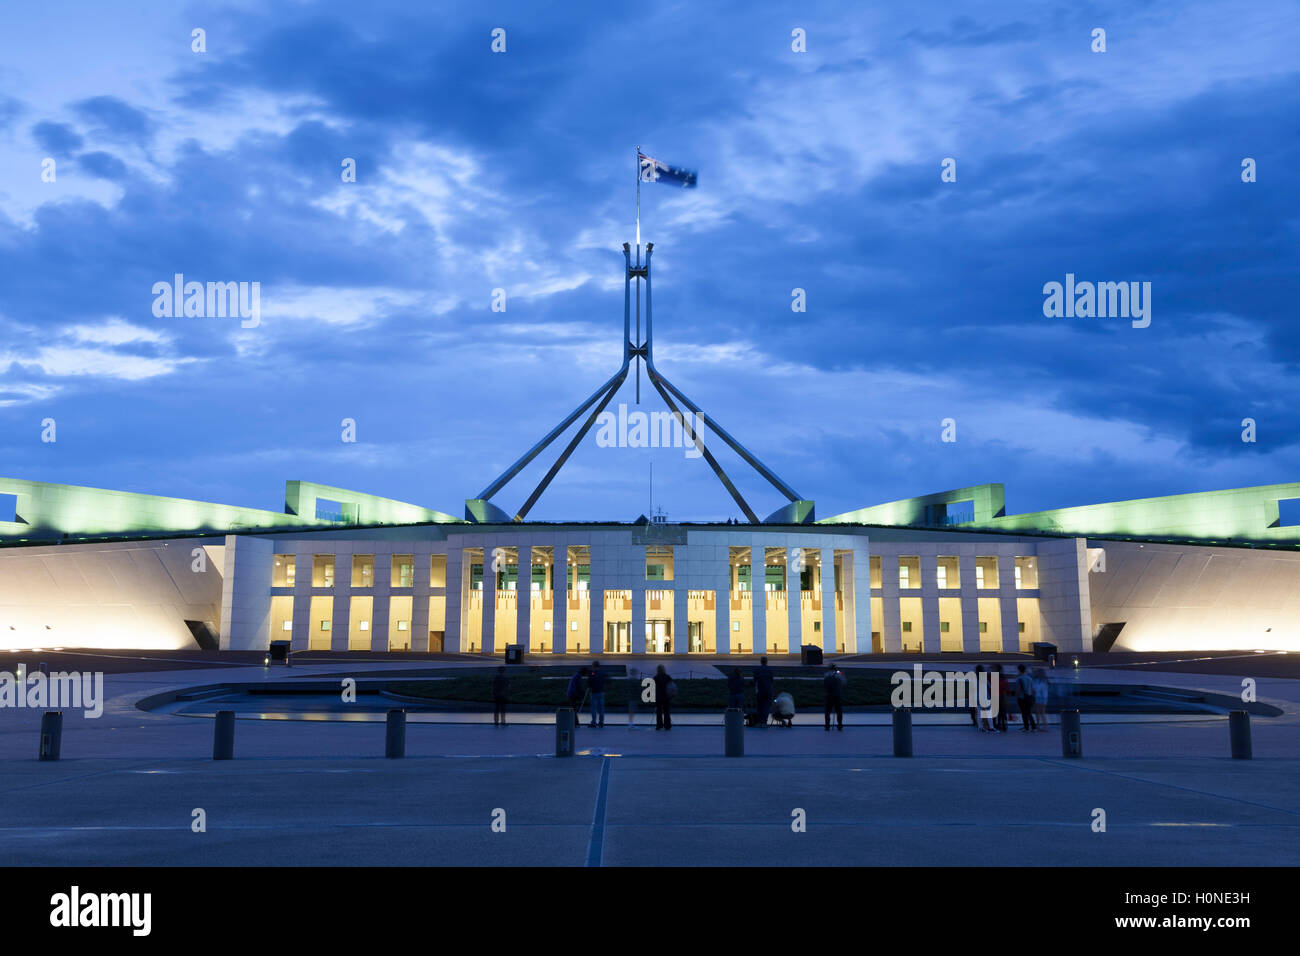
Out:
{"x": 652, "y": 811}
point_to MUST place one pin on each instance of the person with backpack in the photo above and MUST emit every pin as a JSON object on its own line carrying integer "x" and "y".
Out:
{"x": 596, "y": 683}
{"x": 833, "y": 684}
{"x": 500, "y": 694}
{"x": 664, "y": 691}
{"x": 574, "y": 692}
{"x": 736, "y": 689}
{"x": 764, "y": 680}
{"x": 1025, "y": 699}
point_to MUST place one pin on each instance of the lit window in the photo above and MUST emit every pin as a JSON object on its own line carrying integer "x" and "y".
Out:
{"x": 942, "y": 574}
{"x": 904, "y": 573}
{"x": 365, "y": 625}
{"x": 325, "y": 625}
{"x": 573, "y": 625}
{"x": 401, "y": 625}
{"x": 1017, "y": 575}
{"x": 979, "y": 575}
{"x": 735, "y": 625}
{"x": 288, "y": 626}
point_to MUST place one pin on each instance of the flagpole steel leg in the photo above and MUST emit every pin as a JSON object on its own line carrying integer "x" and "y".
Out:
{"x": 564, "y": 455}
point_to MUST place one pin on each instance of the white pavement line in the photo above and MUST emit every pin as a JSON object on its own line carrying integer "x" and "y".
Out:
{"x": 596, "y": 841}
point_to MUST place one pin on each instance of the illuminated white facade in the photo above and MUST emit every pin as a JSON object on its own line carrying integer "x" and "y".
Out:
{"x": 656, "y": 589}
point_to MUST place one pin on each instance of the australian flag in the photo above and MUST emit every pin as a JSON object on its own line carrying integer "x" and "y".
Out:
{"x": 653, "y": 171}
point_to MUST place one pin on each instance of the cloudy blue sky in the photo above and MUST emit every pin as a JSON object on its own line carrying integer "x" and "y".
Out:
{"x": 818, "y": 170}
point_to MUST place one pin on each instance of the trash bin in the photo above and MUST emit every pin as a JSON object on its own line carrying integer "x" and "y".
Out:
{"x": 514, "y": 654}
{"x": 279, "y": 651}
{"x": 810, "y": 654}
{"x": 564, "y": 724}
{"x": 1043, "y": 651}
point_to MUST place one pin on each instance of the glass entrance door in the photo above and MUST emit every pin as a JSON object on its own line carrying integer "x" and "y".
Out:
{"x": 658, "y": 637}
{"x": 696, "y": 635}
{"x": 618, "y": 637}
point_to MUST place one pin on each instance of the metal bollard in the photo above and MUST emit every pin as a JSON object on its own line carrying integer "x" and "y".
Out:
{"x": 1239, "y": 734}
{"x": 51, "y": 734}
{"x": 395, "y": 740}
{"x": 1071, "y": 734}
{"x": 564, "y": 718}
{"x": 902, "y": 732}
{"x": 223, "y": 735}
{"x": 734, "y": 723}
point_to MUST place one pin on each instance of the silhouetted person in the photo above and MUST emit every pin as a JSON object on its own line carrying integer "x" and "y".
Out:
{"x": 500, "y": 695}
{"x": 736, "y": 689}
{"x": 596, "y": 683}
{"x": 763, "y": 681}
{"x": 574, "y": 692}
{"x": 833, "y": 683}
{"x": 1001, "y": 684}
{"x": 1025, "y": 700}
{"x": 663, "y": 699}
{"x": 1041, "y": 692}
{"x": 985, "y": 722}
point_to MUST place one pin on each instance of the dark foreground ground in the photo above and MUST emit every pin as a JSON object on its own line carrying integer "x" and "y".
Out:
{"x": 311, "y": 794}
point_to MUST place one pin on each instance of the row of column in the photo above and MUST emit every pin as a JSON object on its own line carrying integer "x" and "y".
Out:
{"x": 601, "y": 581}
{"x": 931, "y": 638}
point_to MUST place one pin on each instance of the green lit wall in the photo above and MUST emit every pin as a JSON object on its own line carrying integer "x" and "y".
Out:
{"x": 1249, "y": 514}
{"x": 300, "y": 499}
{"x": 46, "y": 511}
{"x": 988, "y": 500}
{"x": 1237, "y": 514}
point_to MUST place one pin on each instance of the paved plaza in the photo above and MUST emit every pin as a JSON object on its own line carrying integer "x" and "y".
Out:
{"x": 321, "y": 793}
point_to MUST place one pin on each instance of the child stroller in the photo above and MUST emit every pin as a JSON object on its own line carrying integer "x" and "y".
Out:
{"x": 783, "y": 710}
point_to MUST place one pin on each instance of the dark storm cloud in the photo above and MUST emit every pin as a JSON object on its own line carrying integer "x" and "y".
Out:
{"x": 478, "y": 170}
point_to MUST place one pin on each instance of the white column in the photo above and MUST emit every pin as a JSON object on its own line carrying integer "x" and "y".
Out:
{"x": 681, "y": 616}
{"x": 830, "y": 644}
{"x": 560, "y": 597}
{"x": 524, "y": 596}
{"x": 891, "y": 635}
{"x": 380, "y": 602}
{"x": 722, "y": 602}
{"x": 420, "y": 602}
{"x": 793, "y": 600}
{"x": 457, "y": 585}
{"x": 862, "y": 620}
{"x": 490, "y": 598}
{"x": 929, "y": 594}
{"x": 758, "y": 594}
{"x": 970, "y": 605}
